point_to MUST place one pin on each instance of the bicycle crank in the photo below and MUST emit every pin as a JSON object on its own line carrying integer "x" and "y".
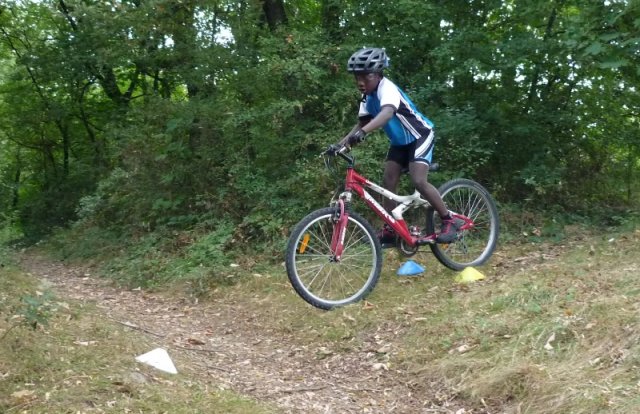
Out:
{"x": 407, "y": 250}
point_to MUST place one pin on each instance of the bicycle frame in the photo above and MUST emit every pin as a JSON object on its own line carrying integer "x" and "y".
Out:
{"x": 357, "y": 183}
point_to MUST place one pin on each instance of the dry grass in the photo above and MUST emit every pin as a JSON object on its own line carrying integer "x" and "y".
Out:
{"x": 554, "y": 328}
{"x": 81, "y": 363}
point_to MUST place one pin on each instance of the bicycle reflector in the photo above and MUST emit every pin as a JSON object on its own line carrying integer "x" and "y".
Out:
{"x": 305, "y": 243}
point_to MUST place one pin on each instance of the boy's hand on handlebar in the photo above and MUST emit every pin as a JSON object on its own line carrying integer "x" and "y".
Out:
{"x": 356, "y": 137}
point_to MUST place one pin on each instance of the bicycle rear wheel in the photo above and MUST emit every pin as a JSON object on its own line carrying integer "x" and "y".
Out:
{"x": 474, "y": 246}
{"x": 311, "y": 266}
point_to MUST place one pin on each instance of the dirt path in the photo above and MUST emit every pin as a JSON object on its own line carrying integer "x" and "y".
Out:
{"x": 223, "y": 343}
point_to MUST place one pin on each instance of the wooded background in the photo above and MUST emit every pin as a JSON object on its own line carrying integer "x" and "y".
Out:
{"x": 172, "y": 115}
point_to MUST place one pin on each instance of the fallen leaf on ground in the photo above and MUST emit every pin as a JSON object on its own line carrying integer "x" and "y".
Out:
{"x": 195, "y": 341}
{"x": 368, "y": 305}
{"x": 85, "y": 343}
{"x": 378, "y": 366}
{"x": 23, "y": 396}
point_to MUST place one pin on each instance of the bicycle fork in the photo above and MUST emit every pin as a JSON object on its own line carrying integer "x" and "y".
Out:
{"x": 340, "y": 219}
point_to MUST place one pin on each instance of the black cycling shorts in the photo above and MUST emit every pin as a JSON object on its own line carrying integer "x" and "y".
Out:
{"x": 420, "y": 150}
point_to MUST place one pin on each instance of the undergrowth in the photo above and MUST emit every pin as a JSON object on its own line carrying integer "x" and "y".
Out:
{"x": 215, "y": 255}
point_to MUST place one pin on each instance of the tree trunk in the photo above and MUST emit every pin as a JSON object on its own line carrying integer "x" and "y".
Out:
{"x": 16, "y": 180}
{"x": 185, "y": 44}
{"x": 533, "y": 88}
{"x": 66, "y": 145}
{"x": 274, "y": 13}
{"x": 104, "y": 74}
{"x": 331, "y": 12}
{"x": 631, "y": 161}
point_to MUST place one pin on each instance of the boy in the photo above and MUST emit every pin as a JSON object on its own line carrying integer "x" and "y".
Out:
{"x": 410, "y": 133}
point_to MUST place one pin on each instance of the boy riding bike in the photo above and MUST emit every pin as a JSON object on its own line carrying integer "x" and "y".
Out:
{"x": 410, "y": 133}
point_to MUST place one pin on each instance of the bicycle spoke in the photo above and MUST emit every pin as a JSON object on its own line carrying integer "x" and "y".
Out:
{"x": 476, "y": 244}
{"x": 316, "y": 274}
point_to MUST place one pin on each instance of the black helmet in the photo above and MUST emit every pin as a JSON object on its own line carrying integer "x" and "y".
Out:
{"x": 372, "y": 59}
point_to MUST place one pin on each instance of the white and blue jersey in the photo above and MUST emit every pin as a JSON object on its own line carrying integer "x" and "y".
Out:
{"x": 407, "y": 125}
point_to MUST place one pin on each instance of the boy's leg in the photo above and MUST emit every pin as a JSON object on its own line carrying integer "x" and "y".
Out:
{"x": 418, "y": 172}
{"x": 450, "y": 226}
{"x": 392, "y": 172}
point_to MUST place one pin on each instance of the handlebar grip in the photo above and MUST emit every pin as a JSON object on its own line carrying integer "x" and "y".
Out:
{"x": 336, "y": 149}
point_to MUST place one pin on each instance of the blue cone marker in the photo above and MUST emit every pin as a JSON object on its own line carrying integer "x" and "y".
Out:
{"x": 410, "y": 268}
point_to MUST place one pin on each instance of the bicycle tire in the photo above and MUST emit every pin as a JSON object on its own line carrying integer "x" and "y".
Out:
{"x": 321, "y": 281}
{"x": 475, "y": 246}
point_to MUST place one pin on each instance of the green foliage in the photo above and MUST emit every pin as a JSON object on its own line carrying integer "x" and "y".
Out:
{"x": 9, "y": 229}
{"x": 209, "y": 249}
{"x": 140, "y": 258}
{"x": 36, "y": 310}
{"x": 149, "y": 119}
{"x": 459, "y": 147}
{"x": 31, "y": 311}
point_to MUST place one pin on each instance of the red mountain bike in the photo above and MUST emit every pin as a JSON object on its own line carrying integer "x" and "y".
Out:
{"x": 334, "y": 257}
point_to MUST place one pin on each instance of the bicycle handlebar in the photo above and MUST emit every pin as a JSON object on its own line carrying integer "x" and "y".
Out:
{"x": 339, "y": 150}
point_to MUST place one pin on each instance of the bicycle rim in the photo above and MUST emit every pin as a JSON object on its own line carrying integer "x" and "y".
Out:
{"x": 316, "y": 276}
{"x": 475, "y": 246}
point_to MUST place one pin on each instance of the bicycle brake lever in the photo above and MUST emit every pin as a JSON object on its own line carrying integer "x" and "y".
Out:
{"x": 331, "y": 150}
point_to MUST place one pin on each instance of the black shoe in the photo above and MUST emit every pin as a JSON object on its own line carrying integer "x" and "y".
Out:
{"x": 449, "y": 230}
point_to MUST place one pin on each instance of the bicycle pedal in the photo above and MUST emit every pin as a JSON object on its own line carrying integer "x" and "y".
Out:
{"x": 426, "y": 240}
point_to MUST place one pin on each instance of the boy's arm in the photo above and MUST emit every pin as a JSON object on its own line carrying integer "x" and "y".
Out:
{"x": 380, "y": 120}
{"x": 362, "y": 122}
{"x": 366, "y": 125}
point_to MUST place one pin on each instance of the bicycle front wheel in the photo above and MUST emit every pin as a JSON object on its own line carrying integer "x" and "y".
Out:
{"x": 317, "y": 276}
{"x": 474, "y": 246}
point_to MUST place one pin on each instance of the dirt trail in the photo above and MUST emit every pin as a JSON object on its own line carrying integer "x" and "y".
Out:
{"x": 224, "y": 344}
